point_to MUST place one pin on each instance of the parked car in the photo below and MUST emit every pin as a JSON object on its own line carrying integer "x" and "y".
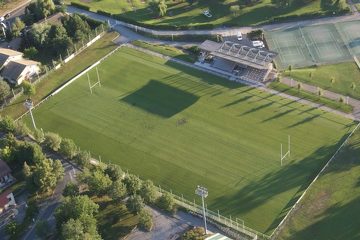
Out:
{"x": 258, "y": 44}
{"x": 207, "y": 13}
{"x": 239, "y": 36}
{"x": 7, "y": 15}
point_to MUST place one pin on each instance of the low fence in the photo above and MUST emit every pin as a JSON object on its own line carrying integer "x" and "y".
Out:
{"x": 233, "y": 226}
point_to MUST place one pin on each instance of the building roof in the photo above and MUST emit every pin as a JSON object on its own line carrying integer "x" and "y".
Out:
{"x": 4, "y": 168}
{"x": 54, "y": 19}
{"x": 5, "y": 53}
{"x": 4, "y": 199}
{"x": 217, "y": 236}
{"x": 239, "y": 53}
{"x": 13, "y": 69}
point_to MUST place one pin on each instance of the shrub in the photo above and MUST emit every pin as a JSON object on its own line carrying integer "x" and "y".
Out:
{"x": 133, "y": 184}
{"x": 197, "y": 233}
{"x": 7, "y": 125}
{"x": 145, "y": 220}
{"x": 68, "y": 148}
{"x": 52, "y": 141}
{"x": 167, "y": 202}
{"x": 135, "y": 204}
{"x": 82, "y": 159}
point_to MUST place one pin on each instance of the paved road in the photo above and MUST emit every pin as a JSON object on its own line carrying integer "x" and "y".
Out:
{"x": 47, "y": 209}
{"x": 222, "y": 31}
{"x": 169, "y": 227}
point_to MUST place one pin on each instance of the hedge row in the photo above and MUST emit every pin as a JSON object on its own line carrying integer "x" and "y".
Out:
{"x": 79, "y": 5}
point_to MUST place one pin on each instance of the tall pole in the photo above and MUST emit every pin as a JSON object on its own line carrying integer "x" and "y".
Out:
{"x": 97, "y": 73}
{"x": 204, "y": 214}
{"x": 32, "y": 118}
{"x": 289, "y": 145}
{"x": 203, "y": 193}
{"x": 89, "y": 82}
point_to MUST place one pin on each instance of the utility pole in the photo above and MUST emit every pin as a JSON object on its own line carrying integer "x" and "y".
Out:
{"x": 29, "y": 105}
{"x": 203, "y": 193}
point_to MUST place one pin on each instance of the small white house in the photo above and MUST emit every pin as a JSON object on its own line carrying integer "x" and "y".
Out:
{"x": 19, "y": 70}
{"x": 7, "y": 55}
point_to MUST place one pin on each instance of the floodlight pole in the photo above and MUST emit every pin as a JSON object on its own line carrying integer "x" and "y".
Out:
{"x": 281, "y": 155}
{"x": 29, "y": 105}
{"x": 289, "y": 149}
{"x": 203, "y": 193}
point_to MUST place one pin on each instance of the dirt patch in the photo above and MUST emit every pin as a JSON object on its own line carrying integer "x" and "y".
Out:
{"x": 319, "y": 203}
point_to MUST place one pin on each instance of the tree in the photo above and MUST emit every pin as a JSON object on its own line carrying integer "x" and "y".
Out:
{"x": 58, "y": 42}
{"x": 114, "y": 171}
{"x": 196, "y": 233}
{"x": 74, "y": 207}
{"x": 29, "y": 89}
{"x": 132, "y": 183}
{"x": 289, "y": 69}
{"x": 58, "y": 169}
{"x": 38, "y": 35}
{"x": 7, "y": 125}
{"x": 83, "y": 159}
{"x": 235, "y": 9}
{"x": 162, "y": 7}
{"x": 145, "y": 220}
{"x": 30, "y": 52}
{"x": 42, "y": 229}
{"x": 148, "y": 192}
{"x": 12, "y": 229}
{"x": 46, "y": 7}
{"x": 166, "y": 202}
{"x": 68, "y": 148}
{"x": 299, "y": 86}
{"x": 44, "y": 176}
{"x": 320, "y": 92}
{"x": 52, "y": 141}
{"x": 71, "y": 190}
{"x": 281, "y": 3}
{"x": 82, "y": 228}
{"x": 39, "y": 135}
{"x": 117, "y": 190}
{"x": 26, "y": 170}
{"x": 76, "y": 27}
{"x": 135, "y": 204}
{"x": 16, "y": 27}
{"x": 21, "y": 129}
{"x": 97, "y": 181}
{"x": 4, "y": 90}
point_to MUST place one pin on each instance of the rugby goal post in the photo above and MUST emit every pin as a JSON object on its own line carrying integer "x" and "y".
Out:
{"x": 287, "y": 153}
{"x": 98, "y": 82}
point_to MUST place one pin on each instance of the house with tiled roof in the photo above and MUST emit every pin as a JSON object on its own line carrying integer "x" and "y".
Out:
{"x": 7, "y": 200}
{"x": 19, "y": 70}
{"x": 7, "y": 55}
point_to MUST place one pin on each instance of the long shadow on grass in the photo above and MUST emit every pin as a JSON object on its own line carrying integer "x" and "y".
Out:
{"x": 293, "y": 175}
{"x": 206, "y": 77}
{"x": 337, "y": 222}
{"x": 160, "y": 99}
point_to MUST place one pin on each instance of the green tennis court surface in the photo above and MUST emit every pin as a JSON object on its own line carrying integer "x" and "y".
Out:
{"x": 303, "y": 46}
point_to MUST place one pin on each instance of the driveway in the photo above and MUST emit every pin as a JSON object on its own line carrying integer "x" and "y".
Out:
{"x": 169, "y": 227}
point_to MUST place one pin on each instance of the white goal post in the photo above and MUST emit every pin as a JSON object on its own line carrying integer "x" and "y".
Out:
{"x": 96, "y": 83}
{"x": 287, "y": 153}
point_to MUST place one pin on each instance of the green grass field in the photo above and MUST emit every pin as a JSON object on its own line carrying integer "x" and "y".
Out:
{"x": 181, "y": 13}
{"x": 344, "y": 74}
{"x": 181, "y": 127}
{"x": 56, "y": 78}
{"x": 330, "y": 209}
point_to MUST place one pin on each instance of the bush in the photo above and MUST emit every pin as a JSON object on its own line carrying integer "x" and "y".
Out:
{"x": 12, "y": 229}
{"x": 7, "y": 125}
{"x": 71, "y": 190}
{"x": 132, "y": 183}
{"x": 68, "y": 148}
{"x": 21, "y": 129}
{"x": 31, "y": 52}
{"x": 197, "y": 233}
{"x": 52, "y": 141}
{"x": 82, "y": 159}
{"x": 39, "y": 135}
{"x": 167, "y": 202}
{"x": 135, "y": 204}
{"x": 145, "y": 220}
{"x": 79, "y": 5}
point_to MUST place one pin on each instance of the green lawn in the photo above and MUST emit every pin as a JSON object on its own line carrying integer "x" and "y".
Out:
{"x": 55, "y": 79}
{"x": 114, "y": 220}
{"x": 330, "y": 210}
{"x": 167, "y": 50}
{"x": 337, "y": 105}
{"x": 344, "y": 74}
{"x": 181, "y": 13}
{"x": 180, "y": 128}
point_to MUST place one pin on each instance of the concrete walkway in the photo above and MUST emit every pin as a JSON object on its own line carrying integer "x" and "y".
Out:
{"x": 328, "y": 94}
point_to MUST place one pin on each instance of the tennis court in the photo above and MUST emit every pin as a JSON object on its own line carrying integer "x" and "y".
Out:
{"x": 304, "y": 46}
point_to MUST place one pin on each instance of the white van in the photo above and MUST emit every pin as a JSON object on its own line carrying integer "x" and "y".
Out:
{"x": 239, "y": 36}
{"x": 258, "y": 44}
